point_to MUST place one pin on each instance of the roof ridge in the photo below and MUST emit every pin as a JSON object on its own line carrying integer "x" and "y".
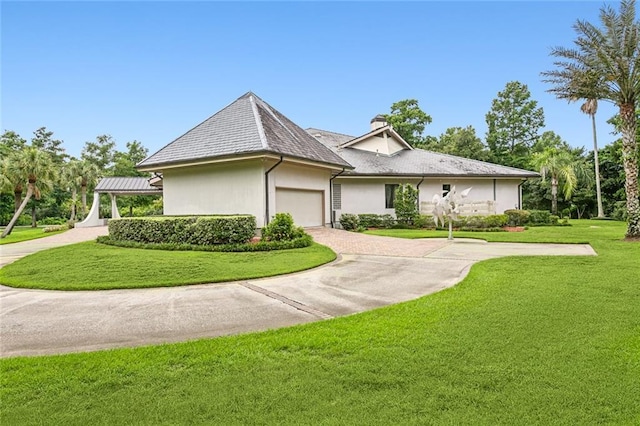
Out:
{"x": 329, "y": 131}
{"x": 256, "y": 116}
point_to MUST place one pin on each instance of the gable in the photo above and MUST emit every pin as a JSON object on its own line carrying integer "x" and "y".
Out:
{"x": 382, "y": 143}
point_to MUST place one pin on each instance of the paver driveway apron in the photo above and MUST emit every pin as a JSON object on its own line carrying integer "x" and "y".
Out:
{"x": 371, "y": 272}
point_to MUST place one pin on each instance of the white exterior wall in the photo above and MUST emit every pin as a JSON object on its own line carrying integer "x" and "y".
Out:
{"x": 231, "y": 188}
{"x": 384, "y": 145}
{"x": 368, "y": 195}
{"x": 295, "y": 176}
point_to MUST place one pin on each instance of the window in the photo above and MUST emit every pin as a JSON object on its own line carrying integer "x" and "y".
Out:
{"x": 390, "y": 195}
{"x": 446, "y": 188}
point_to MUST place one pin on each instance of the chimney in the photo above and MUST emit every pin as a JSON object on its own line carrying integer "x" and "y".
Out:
{"x": 378, "y": 121}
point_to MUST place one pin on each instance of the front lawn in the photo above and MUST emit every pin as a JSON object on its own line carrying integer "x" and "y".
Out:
{"x": 21, "y": 233}
{"x": 93, "y": 266}
{"x": 522, "y": 340}
{"x": 580, "y": 231}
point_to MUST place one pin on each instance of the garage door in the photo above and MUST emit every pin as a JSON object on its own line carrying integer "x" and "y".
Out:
{"x": 306, "y": 207}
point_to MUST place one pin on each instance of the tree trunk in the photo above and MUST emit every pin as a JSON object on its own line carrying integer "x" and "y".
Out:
{"x": 84, "y": 201}
{"x": 74, "y": 195}
{"x": 17, "y": 198}
{"x": 17, "y": 214}
{"x": 34, "y": 224}
{"x": 554, "y": 195}
{"x": 630, "y": 162}
{"x": 597, "y": 166}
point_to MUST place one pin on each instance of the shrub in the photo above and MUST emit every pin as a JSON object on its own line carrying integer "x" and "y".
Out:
{"x": 203, "y": 230}
{"x": 281, "y": 228}
{"x": 349, "y": 222}
{"x": 52, "y": 221}
{"x": 369, "y": 220}
{"x": 517, "y": 217}
{"x": 539, "y": 217}
{"x": 300, "y": 242}
{"x": 55, "y": 228}
{"x": 387, "y": 221}
{"x": 406, "y": 203}
{"x": 496, "y": 220}
{"x": 424, "y": 221}
{"x": 553, "y": 219}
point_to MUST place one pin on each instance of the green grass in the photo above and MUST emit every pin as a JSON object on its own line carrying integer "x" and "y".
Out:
{"x": 19, "y": 234}
{"x": 522, "y": 340}
{"x": 580, "y": 231}
{"x": 93, "y": 266}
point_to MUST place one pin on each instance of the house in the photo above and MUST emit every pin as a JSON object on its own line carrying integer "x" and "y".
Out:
{"x": 248, "y": 158}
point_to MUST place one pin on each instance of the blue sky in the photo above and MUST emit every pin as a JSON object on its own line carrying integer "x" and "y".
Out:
{"x": 150, "y": 71}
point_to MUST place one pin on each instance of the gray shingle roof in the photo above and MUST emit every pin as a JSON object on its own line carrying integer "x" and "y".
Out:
{"x": 416, "y": 162}
{"x": 247, "y": 126}
{"x": 134, "y": 185}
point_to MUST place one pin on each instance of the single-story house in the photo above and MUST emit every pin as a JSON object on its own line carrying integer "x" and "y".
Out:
{"x": 249, "y": 158}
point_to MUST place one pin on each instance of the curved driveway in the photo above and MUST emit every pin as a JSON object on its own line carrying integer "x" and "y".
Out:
{"x": 371, "y": 272}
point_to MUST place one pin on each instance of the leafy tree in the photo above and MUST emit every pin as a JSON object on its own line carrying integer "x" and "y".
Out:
{"x": 459, "y": 141}
{"x": 43, "y": 140}
{"x": 409, "y": 121}
{"x": 125, "y": 165}
{"x": 101, "y": 153}
{"x": 10, "y": 141}
{"x": 513, "y": 125}
{"x": 36, "y": 168}
{"x": 560, "y": 166}
{"x": 612, "y": 55}
{"x": 406, "y": 203}
{"x": 87, "y": 175}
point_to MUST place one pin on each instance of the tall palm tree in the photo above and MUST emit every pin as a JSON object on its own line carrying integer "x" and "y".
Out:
{"x": 590, "y": 107}
{"x": 37, "y": 171}
{"x": 72, "y": 179}
{"x": 612, "y": 55}
{"x": 88, "y": 174}
{"x": 560, "y": 166}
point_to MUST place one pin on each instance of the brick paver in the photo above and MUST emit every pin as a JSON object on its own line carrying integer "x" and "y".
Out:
{"x": 345, "y": 242}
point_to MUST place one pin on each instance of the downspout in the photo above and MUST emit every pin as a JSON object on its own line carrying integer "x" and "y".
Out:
{"x": 418, "y": 197}
{"x": 331, "y": 196}
{"x": 266, "y": 189}
{"x": 520, "y": 194}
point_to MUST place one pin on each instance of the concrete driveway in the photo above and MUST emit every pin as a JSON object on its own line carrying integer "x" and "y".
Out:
{"x": 371, "y": 272}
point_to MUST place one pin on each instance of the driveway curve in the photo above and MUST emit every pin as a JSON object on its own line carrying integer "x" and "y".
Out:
{"x": 371, "y": 272}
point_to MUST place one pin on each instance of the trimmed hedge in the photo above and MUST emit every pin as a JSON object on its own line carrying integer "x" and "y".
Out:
{"x": 301, "y": 242}
{"x": 199, "y": 231}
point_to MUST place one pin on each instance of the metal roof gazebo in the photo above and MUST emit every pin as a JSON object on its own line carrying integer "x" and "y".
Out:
{"x": 118, "y": 186}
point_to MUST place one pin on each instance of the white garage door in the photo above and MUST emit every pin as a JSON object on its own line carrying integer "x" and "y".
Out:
{"x": 306, "y": 207}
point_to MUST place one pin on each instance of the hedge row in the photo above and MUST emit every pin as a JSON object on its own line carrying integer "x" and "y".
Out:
{"x": 301, "y": 242}
{"x": 352, "y": 222}
{"x": 198, "y": 231}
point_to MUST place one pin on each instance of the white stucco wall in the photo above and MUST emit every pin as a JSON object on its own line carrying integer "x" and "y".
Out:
{"x": 297, "y": 176}
{"x": 232, "y": 188}
{"x": 383, "y": 144}
{"x": 368, "y": 195}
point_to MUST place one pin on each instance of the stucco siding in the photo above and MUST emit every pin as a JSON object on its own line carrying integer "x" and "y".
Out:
{"x": 383, "y": 144}
{"x": 232, "y": 188}
{"x": 366, "y": 195}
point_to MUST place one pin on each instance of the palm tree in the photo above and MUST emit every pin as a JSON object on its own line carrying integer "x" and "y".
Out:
{"x": 71, "y": 177}
{"x": 88, "y": 174}
{"x": 37, "y": 172}
{"x": 611, "y": 54}
{"x": 590, "y": 107}
{"x": 559, "y": 165}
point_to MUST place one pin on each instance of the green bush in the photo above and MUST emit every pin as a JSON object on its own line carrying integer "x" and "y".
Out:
{"x": 517, "y": 217}
{"x": 55, "y": 228}
{"x": 539, "y": 217}
{"x": 300, "y": 242}
{"x": 52, "y": 221}
{"x": 369, "y": 220}
{"x": 349, "y": 222}
{"x": 553, "y": 219}
{"x": 203, "y": 230}
{"x": 281, "y": 228}
{"x": 406, "y": 203}
{"x": 496, "y": 220}
{"x": 424, "y": 221}
{"x": 387, "y": 221}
